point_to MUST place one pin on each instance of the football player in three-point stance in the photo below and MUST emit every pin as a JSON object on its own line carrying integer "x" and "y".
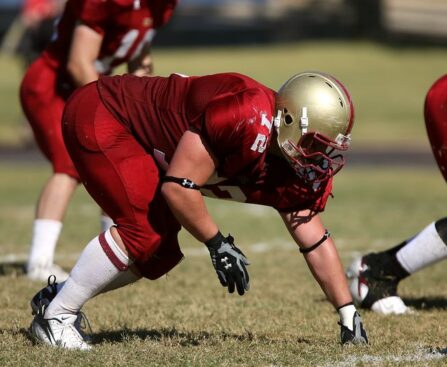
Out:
{"x": 92, "y": 37}
{"x": 374, "y": 277}
{"x": 148, "y": 149}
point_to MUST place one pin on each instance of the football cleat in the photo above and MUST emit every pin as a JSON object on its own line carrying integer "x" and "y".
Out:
{"x": 390, "y": 305}
{"x": 41, "y": 273}
{"x": 372, "y": 288}
{"x": 42, "y": 299}
{"x": 355, "y": 336}
{"x": 59, "y": 331}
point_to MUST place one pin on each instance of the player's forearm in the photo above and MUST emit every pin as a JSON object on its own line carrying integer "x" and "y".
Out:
{"x": 327, "y": 269}
{"x": 84, "y": 51}
{"x": 320, "y": 253}
{"x": 190, "y": 210}
{"x": 82, "y": 72}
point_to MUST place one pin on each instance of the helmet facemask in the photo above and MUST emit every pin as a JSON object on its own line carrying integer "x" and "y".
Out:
{"x": 315, "y": 158}
{"x": 314, "y": 119}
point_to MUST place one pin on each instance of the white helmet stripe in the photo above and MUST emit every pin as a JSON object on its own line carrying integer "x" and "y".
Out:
{"x": 304, "y": 121}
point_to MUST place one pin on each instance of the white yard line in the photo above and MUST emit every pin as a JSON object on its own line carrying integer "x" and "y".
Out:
{"x": 421, "y": 355}
{"x": 188, "y": 252}
{"x": 260, "y": 247}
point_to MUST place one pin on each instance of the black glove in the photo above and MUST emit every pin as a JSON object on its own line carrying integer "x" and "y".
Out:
{"x": 357, "y": 335}
{"x": 229, "y": 262}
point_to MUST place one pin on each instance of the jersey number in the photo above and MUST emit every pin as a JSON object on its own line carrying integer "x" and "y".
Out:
{"x": 260, "y": 143}
{"x": 128, "y": 40}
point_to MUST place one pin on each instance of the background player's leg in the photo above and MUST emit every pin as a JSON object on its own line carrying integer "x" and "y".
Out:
{"x": 50, "y": 212}
{"x": 105, "y": 222}
{"x": 426, "y": 248}
{"x": 43, "y": 108}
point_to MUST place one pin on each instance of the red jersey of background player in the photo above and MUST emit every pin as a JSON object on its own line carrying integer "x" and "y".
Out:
{"x": 234, "y": 115}
{"x": 125, "y": 24}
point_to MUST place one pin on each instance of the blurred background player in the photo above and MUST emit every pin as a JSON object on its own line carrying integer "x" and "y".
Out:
{"x": 92, "y": 37}
{"x": 147, "y": 149}
{"x": 376, "y": 276}
{"x": 32, "y": 28}
{"x": 38, "y": 18}
{"x": 28, "y": 36}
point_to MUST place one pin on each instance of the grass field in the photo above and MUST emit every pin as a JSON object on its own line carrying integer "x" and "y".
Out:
{"x": 187, "y": 319}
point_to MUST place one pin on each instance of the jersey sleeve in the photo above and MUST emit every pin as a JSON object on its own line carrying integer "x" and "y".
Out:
{"x": 95, "y": 13}
{"x": 232, "y": 125}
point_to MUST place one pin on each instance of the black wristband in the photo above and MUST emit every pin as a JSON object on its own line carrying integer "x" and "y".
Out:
{"x": 215, "y": 241}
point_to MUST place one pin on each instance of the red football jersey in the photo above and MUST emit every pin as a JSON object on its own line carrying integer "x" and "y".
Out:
{"x": 234, "y": 115}
{"x": 125, "y": 24}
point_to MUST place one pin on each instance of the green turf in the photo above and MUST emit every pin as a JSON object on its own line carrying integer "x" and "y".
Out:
{"x": 388, "y": 84}
{"x": 187, "y": 319}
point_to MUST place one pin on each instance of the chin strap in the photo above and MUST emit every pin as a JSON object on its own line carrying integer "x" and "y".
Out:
{"x": 306, "y": 250}
{"x": 184, "y": 182}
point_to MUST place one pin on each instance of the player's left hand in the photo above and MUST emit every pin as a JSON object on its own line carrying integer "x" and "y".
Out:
{"x": 355, "y": 336}
{"x": 230, "y": 263}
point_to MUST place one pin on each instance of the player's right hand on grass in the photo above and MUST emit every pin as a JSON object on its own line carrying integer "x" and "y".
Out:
{"x": 229, "y": 262}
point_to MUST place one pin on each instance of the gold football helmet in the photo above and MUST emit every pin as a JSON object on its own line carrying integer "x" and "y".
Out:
{"x": 314, "y": 119}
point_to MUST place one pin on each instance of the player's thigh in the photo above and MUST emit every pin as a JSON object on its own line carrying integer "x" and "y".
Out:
{"x": 40, "y": 102}
{"x": 116, "y": 171}
{"x": 43, "y": 107}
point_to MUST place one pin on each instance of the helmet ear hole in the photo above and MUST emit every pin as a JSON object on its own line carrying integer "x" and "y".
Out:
{"x": 288, "y": 118}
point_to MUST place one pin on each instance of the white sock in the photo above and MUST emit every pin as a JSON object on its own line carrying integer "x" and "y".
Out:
{"x": 124, "y": 278}
{"x": 106, "y": 222}
{"x": 45, "y": 235}
{"x": 93, "y": 272}
{"x": 346, "y": 314}
{"x": 424, "y": 249}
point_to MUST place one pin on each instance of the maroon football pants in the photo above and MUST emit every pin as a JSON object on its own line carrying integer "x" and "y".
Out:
{"x": 123, "y": 179}
{"x": 43, "y": 104}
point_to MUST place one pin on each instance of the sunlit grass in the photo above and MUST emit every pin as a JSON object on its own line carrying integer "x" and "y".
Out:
{"x": 187, "y": 319}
